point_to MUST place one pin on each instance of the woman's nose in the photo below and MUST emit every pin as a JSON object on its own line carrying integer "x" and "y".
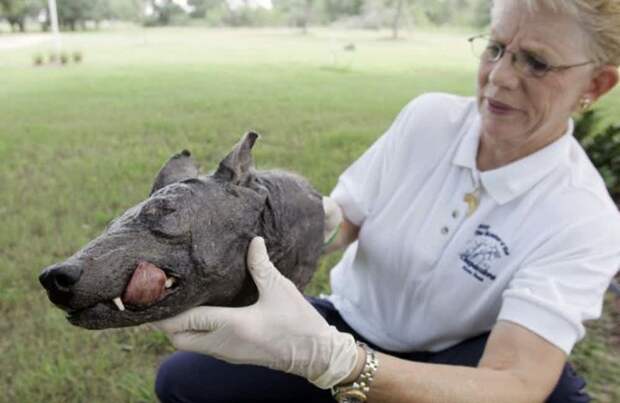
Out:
{"x": 503, "y": 73}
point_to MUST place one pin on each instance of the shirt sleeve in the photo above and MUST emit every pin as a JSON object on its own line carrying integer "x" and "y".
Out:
{"x": 360, "y": 184}
{"x": 562, "y": 284}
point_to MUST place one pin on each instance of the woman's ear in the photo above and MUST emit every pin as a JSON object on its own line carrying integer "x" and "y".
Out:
{"x": 603, "y": 80}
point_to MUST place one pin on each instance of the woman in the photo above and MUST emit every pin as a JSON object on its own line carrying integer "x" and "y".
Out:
{"x": 484, "y": 238}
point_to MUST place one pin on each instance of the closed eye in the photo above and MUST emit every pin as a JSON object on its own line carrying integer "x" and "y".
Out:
{"x": 156, "y": 209}
{"x": 535, "y": 63}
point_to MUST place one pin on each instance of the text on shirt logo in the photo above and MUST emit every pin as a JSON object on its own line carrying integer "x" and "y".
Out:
{"x": 481, "y": 251}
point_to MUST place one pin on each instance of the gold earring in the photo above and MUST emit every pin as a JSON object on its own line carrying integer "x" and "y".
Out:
{"x": 584, "y": 104}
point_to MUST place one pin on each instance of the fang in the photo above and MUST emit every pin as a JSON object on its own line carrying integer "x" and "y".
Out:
{"x": 119, "y": 303}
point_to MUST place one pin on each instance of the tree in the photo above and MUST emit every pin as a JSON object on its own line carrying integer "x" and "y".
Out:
{"x": 72, "y": 13}
{"x": 99, "y": 10}
{"x": 400, "y": 4}
{"x": 203, "y": 7}
{"x": 307, "y": 14}
{"x": 336, "y": 9}
{"x": 460, "y": 12}
{"x": 482, "y": 13}
{"x": 399, "y": 8}
{"x": 16, "y": 11}
{"x": 126, "y": 10}
{"x": 299, "y": 11}
{"x": 163, "y": 12}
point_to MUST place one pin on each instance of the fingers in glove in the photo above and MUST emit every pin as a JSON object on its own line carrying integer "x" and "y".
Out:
{"x": 262, "y": 270}
{"x": 200, "y": 319}
{"x": 193, "y": 341}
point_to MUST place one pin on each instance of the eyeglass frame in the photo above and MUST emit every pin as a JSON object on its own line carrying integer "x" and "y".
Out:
{"x": 503, "y": 51}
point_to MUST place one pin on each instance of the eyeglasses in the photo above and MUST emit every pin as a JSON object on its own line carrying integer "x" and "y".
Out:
{"x": 528, "y": 63}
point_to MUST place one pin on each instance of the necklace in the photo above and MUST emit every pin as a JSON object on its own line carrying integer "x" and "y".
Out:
{"x": 473, "y": 198}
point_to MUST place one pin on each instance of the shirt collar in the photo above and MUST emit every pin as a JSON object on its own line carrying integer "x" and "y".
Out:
{"x": 510, "y": 181}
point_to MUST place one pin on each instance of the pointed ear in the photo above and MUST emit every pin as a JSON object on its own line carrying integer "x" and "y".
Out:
{"x": 179, "y": 167}
{"x": 236, "y": 167}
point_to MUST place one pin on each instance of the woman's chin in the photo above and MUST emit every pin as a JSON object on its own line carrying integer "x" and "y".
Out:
{"x": 500, "y": 127}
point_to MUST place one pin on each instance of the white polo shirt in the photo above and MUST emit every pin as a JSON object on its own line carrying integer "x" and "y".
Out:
{"x": 539, "y": 251}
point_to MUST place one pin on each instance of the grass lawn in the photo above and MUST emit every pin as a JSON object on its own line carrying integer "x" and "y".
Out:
{"x": 80, "y": 144}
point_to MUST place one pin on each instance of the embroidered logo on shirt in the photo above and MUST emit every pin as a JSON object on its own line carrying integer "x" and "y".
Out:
{"x": 481, "y": 251}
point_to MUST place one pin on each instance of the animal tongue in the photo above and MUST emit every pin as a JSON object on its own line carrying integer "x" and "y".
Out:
{"x": 145, "y": 286}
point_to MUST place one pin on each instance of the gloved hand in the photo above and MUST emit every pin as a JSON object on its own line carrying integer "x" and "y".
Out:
{"x": 333, "y": 219}
{"x": 281, "y": 330}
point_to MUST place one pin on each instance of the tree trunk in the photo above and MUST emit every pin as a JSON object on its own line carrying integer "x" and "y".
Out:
{"x": 397, "y": 17}
{"x": 13, "y": 23}
{"x": 307, "y": 15}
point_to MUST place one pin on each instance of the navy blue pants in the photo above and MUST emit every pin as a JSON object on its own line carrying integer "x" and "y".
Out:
{"x": 189, "y": 377}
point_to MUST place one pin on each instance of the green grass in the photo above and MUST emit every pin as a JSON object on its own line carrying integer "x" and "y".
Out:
{"x": 80, "y": 144}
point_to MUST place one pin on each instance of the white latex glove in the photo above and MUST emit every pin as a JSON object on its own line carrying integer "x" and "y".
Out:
{"x": 333, "y": 218}
{"x": 281, "y": 330}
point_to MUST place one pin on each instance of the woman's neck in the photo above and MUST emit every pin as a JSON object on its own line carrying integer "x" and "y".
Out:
{"x": 494, "y": 153}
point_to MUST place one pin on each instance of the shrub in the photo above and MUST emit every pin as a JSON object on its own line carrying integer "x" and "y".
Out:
{"x": 37, "y": 59}
{"x": 52, "y": 57}
{"x": 64, "y": 58}
{"x": 603, "y": 148}
{"x": 77, "y": 57}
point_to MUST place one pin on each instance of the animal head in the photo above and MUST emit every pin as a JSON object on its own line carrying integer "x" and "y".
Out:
{"x": 185, "y": 245}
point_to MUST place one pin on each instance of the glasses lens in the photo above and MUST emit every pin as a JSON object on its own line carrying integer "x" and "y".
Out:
{"x": 486, "y": 50}
{"x": 531, "y": 64}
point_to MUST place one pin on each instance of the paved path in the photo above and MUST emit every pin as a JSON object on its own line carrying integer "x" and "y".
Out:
{"x": 18, "y": 41}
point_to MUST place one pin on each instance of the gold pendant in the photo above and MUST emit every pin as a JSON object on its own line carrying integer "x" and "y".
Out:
{"x": 472, "y": 202}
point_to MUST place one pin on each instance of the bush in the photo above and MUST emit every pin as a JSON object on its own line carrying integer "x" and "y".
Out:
{"x": 603, "y": 148}
{"x": 77, "y": 57}
{"x": 38, "y": 59}
{"x": 64, "y": 58}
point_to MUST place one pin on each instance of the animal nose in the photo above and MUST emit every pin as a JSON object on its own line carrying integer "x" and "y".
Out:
{"x": 59, "y": 280}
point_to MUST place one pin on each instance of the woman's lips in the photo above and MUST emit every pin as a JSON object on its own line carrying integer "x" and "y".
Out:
{"x": 499, "y": 108}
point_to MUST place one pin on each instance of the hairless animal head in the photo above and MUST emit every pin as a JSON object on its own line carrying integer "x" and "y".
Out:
{"x": 186, "y": 244}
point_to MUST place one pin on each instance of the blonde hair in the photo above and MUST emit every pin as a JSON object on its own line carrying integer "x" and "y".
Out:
{"x": 599, "y": 18}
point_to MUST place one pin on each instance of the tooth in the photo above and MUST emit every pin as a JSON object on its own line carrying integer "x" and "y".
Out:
{"x": 119, "y": 303}
{"x": 169, "y": 282}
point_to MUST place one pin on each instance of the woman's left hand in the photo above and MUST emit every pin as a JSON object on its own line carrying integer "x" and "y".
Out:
{"x": 281, "y": 330}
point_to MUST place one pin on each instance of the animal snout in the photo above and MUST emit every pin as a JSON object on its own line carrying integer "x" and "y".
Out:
{"x": 59, "y": 280}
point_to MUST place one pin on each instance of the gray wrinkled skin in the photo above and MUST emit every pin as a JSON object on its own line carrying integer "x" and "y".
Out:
{"x": 197, "y": 229}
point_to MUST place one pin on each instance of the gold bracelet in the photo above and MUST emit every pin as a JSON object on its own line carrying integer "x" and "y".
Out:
{"x": 357, "y": 391}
